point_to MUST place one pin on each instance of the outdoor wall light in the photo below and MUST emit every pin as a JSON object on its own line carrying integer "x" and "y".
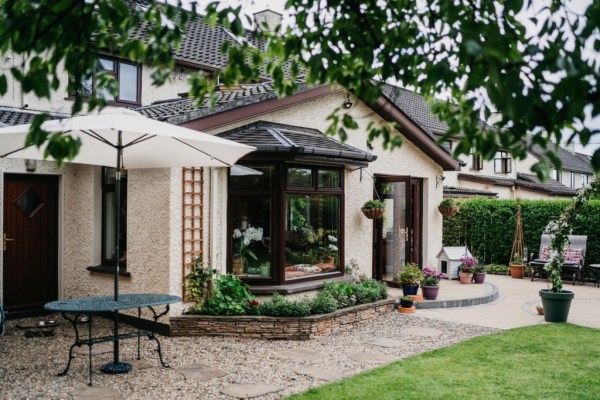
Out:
{"x": 439, "y": 179}
{"x": 30, "y": 165}
{"x": 347, "y": 104}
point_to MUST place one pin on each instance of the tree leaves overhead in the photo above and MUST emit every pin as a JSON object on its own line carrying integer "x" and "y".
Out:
{"x": 478, "y": 55}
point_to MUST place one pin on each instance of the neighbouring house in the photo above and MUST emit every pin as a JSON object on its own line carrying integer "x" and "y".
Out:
{"x": 502, "y": 177}
{"x": 296, "y": 207}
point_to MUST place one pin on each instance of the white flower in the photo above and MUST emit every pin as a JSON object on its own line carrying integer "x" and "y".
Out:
{"x": 246, "y": 241}
{"x": 331, "y": 238}
{"x": 333, "y": 247}
{"x": 237, "y": 234}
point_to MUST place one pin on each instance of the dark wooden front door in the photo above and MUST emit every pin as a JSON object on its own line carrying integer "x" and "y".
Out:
{"x": 397, "y": 236}
{"x": 30, "y": 241}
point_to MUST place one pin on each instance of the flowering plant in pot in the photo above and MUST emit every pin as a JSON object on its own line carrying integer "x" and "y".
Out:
{"x": 241, "y": 248}
{"x": 556, "y": 301}
{"x": 409, "y": 278}
{"x": 466, "y": 269}
{"x": 431, "y": 283}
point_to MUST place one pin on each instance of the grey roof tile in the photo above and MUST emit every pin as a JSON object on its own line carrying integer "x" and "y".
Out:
{"x": 10, "y": 116}
{"x": 454, "y": 191}
{"x": 551, "y": 186}
{"x": 571, "y": 161}
{"x": 269, "y": 137}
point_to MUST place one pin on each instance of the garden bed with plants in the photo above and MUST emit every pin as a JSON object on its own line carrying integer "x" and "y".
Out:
{"x": 224, "y": 307}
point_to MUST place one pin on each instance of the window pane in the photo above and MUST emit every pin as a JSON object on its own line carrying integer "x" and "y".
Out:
{"x": 312, "y": 226}
{"x": 107, "y": 65}
{"x": 128, "y": 82}
{"x": 109, "y": 217}
{"x": 300, "y": 177}
{"x": 329, "y": 178}
{"x": 265, "y": 181}
{"x": 251, "y": 235}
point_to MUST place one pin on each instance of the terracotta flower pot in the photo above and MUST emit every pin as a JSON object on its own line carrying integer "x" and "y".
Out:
{"x": 465, "y": 277}
{"x": 516, "y": 271}
{"x": 238, "y": 266}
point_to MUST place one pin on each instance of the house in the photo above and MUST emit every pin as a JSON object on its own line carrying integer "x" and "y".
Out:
{"x": 299, "y": 208}
{"x": 502, "y": 177}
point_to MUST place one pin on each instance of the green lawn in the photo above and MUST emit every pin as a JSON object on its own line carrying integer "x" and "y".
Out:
{"x": 555, "y": 361}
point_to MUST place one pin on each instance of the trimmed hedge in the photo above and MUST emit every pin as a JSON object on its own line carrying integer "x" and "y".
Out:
{"x": 487, "y": 226}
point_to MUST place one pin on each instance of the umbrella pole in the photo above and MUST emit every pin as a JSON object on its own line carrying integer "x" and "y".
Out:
{"x": 117, "y": 367}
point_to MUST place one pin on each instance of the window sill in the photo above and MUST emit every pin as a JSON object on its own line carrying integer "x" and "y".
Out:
{"x": 106, "y": 269}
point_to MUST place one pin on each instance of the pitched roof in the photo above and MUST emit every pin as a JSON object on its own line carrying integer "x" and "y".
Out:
{"x": 181, "y": 110}
{"x": 270, "y": 137}
{"x": 571, "y": 161}
{"x": 526, "y": 181}
{"x": 10, "y": 116}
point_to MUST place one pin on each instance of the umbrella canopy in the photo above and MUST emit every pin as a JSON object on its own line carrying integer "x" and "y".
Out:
{"x": 125, "y": 139}
{"x": 145, "y": 143}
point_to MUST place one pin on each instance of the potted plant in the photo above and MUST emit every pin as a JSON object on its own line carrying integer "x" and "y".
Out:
{"x": 265, "y": 269}
{"x": 466, "y": 269}
{"x": 479, "y": 274}
{"x": 373, "y": 209}
{"x": 409, "y": 278}
{"x": 448, "y": 207}
{"x": 430, "y": 284}
{"x": 406, "y": 305}
{"x": 242, "y": 251}
{"x": 556, "y": 302}
{"x": 516, "y": 266}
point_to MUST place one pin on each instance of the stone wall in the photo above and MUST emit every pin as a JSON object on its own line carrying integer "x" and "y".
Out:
{"x": 283, "y": 328}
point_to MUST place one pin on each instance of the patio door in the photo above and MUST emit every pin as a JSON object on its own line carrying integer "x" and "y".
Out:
{"x": 397, "y": 236}
{"x": 30, "y": 241}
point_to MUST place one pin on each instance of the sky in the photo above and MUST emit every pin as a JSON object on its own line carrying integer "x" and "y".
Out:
{"x": 252, "y": 6}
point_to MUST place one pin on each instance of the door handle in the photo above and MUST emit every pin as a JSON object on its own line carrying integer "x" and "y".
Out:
{"x": 4, "y": 240}
{"x": 406, "y": 234}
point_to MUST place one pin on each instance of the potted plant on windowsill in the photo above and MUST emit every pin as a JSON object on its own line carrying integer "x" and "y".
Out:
{"x": 409, "y": 278}
{"x": 430, "y": 284}
{"x": 448, "y": 207}
{"x": 373, "y": 209}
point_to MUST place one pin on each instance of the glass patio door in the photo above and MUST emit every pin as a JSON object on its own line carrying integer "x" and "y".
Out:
{"x": 397, "y": 236}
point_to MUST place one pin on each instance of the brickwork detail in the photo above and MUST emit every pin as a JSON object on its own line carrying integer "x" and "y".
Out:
{"x": 260, "y": 327}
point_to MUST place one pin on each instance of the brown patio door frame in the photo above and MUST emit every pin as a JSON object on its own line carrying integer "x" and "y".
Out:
{"x": 30, "y": 241}
{"x": 413, "y": 211}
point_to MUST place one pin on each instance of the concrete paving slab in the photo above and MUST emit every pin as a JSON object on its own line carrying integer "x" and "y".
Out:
{"x": 201, "y": 372}
{"x": 372, "y": 358}
{"x": 300, "y": 355}
{"x": 424, "y": 332}
{"x": 385, "y": 342}
{"x": 138, "y": 365}
{"x": 249, "y": 390}
{"x": 325, "y": 374}
{"x": 96, "y": 393}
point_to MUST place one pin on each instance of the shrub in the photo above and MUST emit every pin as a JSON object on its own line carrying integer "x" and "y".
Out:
{"x": 365, "y": 294}
{"x": 324, "y": 303}
{"x": 342, "y": 293}
{"x": 230, "y": 297}
{"x": 374, "y": 204}
{"x": 279, "y": 306}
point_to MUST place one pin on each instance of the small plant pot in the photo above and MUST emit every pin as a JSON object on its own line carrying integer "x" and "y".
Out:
{"x": 465, "y": 278}
{"x": 406, "y": 303}
{"x": 407, "y": 310}
{"x": 410, "y": 289}
{"x": 448, "y": 211}
{"x": 479, "y": 277}
{"x": 516, "y": 271}
{"x": 265, "y": 271}
{"x": 430, "y": 292}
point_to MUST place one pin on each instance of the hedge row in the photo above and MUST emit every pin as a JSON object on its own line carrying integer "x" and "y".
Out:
{"x": 487, "y": 226}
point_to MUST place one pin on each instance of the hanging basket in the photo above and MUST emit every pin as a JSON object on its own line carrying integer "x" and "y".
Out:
{"x": 373, "y": 213}
{"x": 448, "y": 211}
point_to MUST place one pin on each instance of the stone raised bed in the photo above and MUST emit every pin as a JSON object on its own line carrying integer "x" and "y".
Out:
{"x": 284, "y": 328}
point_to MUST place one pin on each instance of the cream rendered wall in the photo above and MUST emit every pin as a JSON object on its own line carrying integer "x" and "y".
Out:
{"x": 14, "y": 97}
{"x": 408, "y": 160}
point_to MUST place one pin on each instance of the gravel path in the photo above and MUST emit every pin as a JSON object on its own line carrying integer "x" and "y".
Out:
{"x": 28, "y": 366}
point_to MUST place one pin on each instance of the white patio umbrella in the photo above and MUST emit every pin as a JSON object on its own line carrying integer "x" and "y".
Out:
{"x": 123, "y": 138}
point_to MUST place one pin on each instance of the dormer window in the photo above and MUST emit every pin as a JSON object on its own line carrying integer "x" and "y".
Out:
{"x": 502, "y": 163}
{"x": 127, "y": 75}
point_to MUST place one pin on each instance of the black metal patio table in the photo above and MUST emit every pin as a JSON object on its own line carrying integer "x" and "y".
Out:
{"x": 90, "y": 306}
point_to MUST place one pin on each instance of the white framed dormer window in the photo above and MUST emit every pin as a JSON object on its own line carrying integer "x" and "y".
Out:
{"x": 502, "y": 163}
{"x": 557, "y": 175}
{"x": 128, "y": 77}
{"x": 476, "y": 162}
{"x": 585, "y": 180}
{"x": 572, "y": 180}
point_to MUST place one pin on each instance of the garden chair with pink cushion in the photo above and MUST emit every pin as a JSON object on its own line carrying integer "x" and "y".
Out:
{"x": 573, "y": 255}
